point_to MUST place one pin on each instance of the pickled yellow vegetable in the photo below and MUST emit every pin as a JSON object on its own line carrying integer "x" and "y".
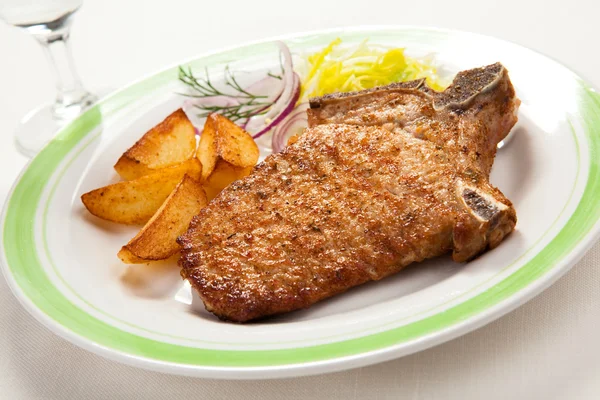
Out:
{"x": 338, "y": 69}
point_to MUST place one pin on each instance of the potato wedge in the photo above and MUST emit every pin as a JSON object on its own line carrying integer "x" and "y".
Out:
{"x": 207, "y": 148}
{"x": 135, "y": 201}
{"x": 157, "y": 239}
{"x": 222, "y": 176}
{"x": 168, "y": 143}
{"x": 222, "y": 139}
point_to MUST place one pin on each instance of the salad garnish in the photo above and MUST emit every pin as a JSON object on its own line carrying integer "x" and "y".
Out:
{"x": 277, "y": 103}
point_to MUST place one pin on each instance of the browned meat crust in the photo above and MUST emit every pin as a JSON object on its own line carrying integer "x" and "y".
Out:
{"x": 381, "y": 179}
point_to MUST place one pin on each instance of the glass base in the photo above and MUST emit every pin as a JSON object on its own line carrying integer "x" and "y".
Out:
{"x": 40, "y": 125}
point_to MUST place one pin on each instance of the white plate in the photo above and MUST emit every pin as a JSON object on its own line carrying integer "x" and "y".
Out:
{"x": 62, "y": 264}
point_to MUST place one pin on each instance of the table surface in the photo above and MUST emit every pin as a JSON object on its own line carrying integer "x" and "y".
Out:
{"x": 548, "y": 348}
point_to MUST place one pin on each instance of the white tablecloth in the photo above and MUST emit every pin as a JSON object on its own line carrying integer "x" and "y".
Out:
{"x": 547, "y": 349}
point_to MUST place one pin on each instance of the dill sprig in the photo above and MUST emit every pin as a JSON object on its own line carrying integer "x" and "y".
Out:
{"x": 247, "y": 104}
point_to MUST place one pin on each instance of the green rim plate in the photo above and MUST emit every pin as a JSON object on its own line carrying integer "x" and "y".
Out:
{"x": 22, "y": 269}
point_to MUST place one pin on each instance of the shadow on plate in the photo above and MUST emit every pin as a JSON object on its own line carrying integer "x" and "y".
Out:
{"x": 106, "y": 227}
{"x": 155, "y": 280}
{"x": 411, "y": 279}
{"x": 512, "y": 170}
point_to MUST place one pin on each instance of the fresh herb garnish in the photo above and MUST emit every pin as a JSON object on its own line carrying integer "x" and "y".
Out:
{"x": 240, "y": 105}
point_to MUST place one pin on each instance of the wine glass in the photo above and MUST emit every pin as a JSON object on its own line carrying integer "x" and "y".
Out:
{"x": 49, "y": 21}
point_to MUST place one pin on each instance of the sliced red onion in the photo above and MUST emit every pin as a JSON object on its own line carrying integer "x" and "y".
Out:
{"x": 264, "y": 124}
{"x": 268, "y": 86}
{"x": 288, "y": 82}
{"x": 280, "y": 141}
{"x": 295, "y": 121}
{"x": 261, "y": 124}
{"x": 281, "y": 97}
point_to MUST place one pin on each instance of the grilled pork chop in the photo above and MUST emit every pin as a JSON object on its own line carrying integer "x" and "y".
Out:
{"x": 381, "y": 179}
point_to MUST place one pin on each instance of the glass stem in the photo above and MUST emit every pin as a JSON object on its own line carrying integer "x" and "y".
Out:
{"x": 70, "y": 91}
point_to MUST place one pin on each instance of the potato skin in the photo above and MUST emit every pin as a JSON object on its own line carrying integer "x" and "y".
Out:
{"x": 167, "y": 181}
{"x": 134, "y": 202}
{"x": 169, "y": 143}
{"x": 222, "y": 176}
{"x": 221, "y": 139}
{"x": 157, "y": 239}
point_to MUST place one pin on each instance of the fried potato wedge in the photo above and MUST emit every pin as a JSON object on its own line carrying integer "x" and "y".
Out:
{"x": 168, "y": 143}
{"x": 222, "y": 139}
{"x": 135, "y": 201}
{"x": 223, "y": 175}
{"x": 157, "y": 239}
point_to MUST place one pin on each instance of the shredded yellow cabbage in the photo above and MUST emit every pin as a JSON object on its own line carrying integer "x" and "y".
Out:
{"x": 337, "y": 69}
